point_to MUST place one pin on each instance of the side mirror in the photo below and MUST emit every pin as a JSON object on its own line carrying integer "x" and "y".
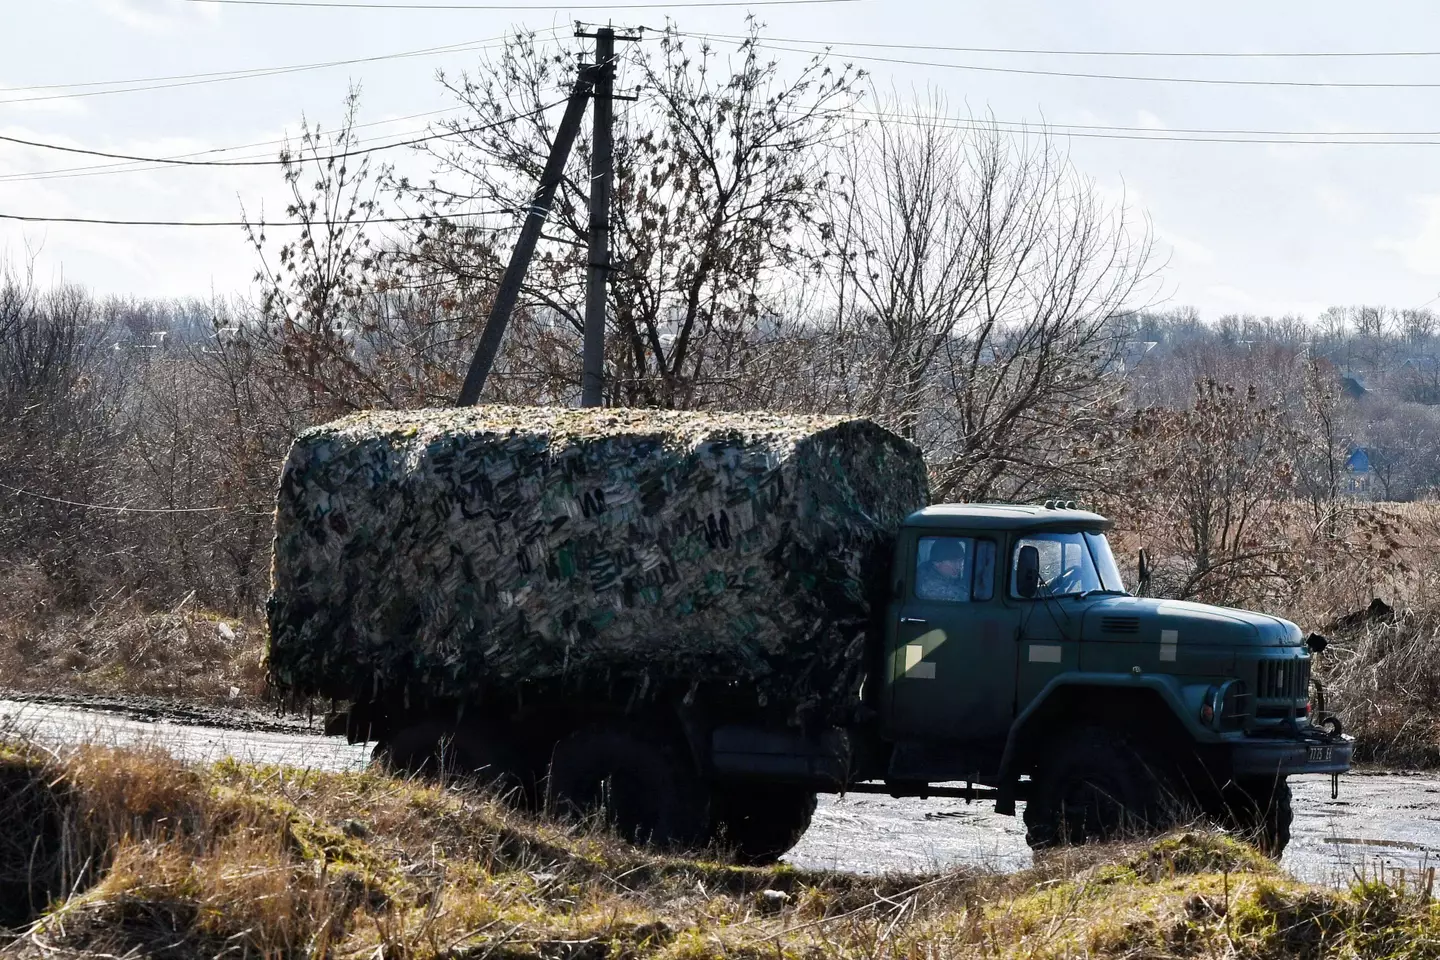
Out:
{"x": 1144, "y": 572}
{"x": 1027, "y": 572}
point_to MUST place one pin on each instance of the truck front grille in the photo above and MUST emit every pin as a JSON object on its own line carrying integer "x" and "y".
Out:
{"x": 1283, "y": 680}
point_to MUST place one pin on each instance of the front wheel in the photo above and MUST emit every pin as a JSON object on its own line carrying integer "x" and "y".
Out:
{"x": 1093, "y": 786}
{"x": 1259, "y": 810}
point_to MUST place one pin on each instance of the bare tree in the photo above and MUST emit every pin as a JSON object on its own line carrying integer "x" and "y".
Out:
{"x": 1213, "y": 484}
{"x": 719, "y": 172}
{"x": 980, "y": 282}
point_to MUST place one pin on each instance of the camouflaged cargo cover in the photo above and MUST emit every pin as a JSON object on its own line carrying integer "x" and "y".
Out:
{"x": 449, "y": 552}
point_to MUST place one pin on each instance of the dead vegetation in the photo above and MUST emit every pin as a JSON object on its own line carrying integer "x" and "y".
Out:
{"x": 115, "y": 853}
{"x": 182, "y": 653}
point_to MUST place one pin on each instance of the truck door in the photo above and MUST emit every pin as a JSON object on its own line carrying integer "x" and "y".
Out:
{"x": 1049, "y": 627}
{"x": 952, "y": 657}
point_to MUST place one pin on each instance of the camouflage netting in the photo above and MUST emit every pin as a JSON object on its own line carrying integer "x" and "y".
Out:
{"x": 449, "y": 552}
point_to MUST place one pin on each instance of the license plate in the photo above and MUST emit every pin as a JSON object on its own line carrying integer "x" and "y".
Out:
{"x": 1321, "y": 754}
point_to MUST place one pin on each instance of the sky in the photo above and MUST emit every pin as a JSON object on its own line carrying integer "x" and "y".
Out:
{"x": 1249, "y": 227}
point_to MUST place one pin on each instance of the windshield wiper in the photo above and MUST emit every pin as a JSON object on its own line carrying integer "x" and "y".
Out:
{"x": 1099, "y": 590}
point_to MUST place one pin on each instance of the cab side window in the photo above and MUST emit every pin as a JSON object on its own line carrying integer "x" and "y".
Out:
{"x": 955, "y": 569}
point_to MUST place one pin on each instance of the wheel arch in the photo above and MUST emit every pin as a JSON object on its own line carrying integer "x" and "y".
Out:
{"x": 1148, "y": 708}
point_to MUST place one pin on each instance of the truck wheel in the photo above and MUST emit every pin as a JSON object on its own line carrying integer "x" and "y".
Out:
{"x": 413, "y": 751}
{"x": 474, "y": 751}
{"x": 760, "y": 823}
{"x": 1260, "y": 811}
{"x": 1093, "y": 785}
{"x": 646, "y": 790}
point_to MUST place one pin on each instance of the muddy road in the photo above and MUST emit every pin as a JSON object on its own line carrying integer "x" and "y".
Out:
{"x": 1379, "y": 820}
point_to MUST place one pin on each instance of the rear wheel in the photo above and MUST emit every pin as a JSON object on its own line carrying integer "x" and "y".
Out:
{"x": 476, "y": 751}
{"x": 419, "y": 750}
{"x": 760, "y": 823}
{"x": 1094, "y": 786}
{"x": 640, "y": 785}
{"x": 1259, "y": 810}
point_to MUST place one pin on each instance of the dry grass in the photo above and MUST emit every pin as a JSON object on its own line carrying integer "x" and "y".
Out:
{"x": 159, "y": 860}
{"x": 121, "y": 649}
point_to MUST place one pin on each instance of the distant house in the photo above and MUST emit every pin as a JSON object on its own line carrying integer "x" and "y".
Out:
{"x": 1130, "y": 355}
{"x": 1353, "y": 386}
{"x": 1359, "y": 476}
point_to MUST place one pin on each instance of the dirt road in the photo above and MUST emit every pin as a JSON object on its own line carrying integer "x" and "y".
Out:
{"x": 1389, "y": 820}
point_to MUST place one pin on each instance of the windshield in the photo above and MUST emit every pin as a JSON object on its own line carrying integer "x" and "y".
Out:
{"x": 1070, "y": 564}
{"x": 1105, "y": 563}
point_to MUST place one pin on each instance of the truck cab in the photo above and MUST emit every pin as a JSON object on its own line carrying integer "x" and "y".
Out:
{"x": 1015, "y": 657}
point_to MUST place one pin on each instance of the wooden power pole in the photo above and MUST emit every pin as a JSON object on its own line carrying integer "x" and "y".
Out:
{"x": 596, "y": 81}
{"x": 602, "y": 172}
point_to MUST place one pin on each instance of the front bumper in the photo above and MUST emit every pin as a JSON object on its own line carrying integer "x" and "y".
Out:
{"x": 1265, "y": 757}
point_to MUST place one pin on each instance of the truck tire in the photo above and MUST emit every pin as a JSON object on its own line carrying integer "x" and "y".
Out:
{"x": 642, "y": 785}
{"x": 1094, "y": 786}
{"x": 760, "y": 823}
{"x": 1260, "y": 811}
{"x": 413, "y": 751}
{"x": 477, "y": 752}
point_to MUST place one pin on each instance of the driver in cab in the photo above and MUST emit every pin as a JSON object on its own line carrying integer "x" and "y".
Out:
{"x": 943, "y": 575}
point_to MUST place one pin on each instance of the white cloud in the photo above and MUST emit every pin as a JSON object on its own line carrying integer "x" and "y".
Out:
{"x": 1421, "y": 252}
{"x": 157, "y": 16}
{"x": 1335, "y": 202}
{"x": 1229, "y": 294}
{"x": 1185, "y": 248}
{"x": 1150, "y": 121}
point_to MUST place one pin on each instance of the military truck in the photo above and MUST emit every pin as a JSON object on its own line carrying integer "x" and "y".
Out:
{"x": 1002, "y": 658}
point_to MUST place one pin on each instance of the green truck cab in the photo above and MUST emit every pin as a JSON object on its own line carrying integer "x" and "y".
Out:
{"x": 1016, "y": 658}
{"x": 1012, "y": 667}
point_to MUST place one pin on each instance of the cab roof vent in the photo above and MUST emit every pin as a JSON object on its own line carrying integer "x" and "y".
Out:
{"x": 1120, "y": 624}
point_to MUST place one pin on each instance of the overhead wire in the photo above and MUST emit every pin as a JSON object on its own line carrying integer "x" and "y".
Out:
{"x": 181, "y": 162}
{"x": 259, "y": 223}
{"x": 1071, "y": 74}
{"x": 340, "y": 5}
{"x": 1035, "y": 51}
{"x": 219, "y": 75}
{"x": 117, "y": 508}
{"x": 130, "y": 166}
{"x": 105, "y": 221}
{"x": 1162, "y": 135}
{"x": 249, "y": 74}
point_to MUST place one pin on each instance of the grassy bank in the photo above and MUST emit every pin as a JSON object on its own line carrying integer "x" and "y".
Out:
{"x": 142, "y": 856}
{"x": 181, "y": 654}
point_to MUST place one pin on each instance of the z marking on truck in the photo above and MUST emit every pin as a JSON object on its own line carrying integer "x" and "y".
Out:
{"x": 916, "y": 666}
{"x": 1168, "y": 640}
{"x": 1044, "y": 653}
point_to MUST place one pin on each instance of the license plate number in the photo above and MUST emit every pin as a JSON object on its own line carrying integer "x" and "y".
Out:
{"x": 1321, "y": 754}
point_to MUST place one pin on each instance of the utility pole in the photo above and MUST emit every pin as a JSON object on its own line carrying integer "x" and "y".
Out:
{"x": 535, "y": 214}
{"x": 602, "y": 172}
{"x": 595, "y": 82}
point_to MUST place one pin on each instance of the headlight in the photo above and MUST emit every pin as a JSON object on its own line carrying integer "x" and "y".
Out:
{"x": 1225, "y": 706}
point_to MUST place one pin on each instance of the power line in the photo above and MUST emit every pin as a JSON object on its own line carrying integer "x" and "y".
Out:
{"x": 246, "y": 71}
{"x": 226, "y": 76}
{"x": 1030, "y": 51}
{"x": 105, "y": 169}
{"x": 179, "y": 162}
{"x": 1160, "y": 135}
{"x": 115, "y": 508}
{"x": 1010, "y": 126}
{"x": 1208, "y": 81}
{"x": 320, "y": 4}
{"x": 259, "y": 224}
